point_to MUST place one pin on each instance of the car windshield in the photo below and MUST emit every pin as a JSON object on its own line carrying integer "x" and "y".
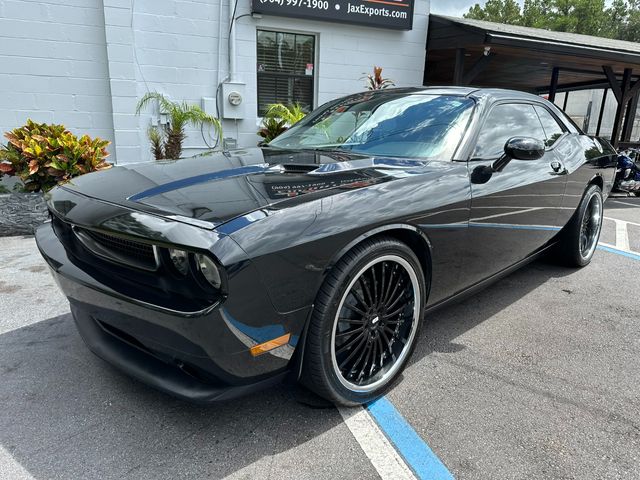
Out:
{"x": 384, "y": 124}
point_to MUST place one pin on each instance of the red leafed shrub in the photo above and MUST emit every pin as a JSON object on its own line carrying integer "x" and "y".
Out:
{"x": 45, "y": 155}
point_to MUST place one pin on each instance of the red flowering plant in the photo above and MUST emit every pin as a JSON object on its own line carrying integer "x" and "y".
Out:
{"x": 377, "y": 81}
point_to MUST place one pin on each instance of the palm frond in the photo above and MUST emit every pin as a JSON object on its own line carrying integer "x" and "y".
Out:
{"x": 163, "y": 102}
{"x": 180, "y": 114}
{"x": 290, "y": 114}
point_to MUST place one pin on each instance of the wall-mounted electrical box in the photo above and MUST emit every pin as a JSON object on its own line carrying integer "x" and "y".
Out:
{"x": 232, "y": 100}
{"x": 229, "y": 143}
{"x": 209, "y": 106}
{"x": 163, "y": 114}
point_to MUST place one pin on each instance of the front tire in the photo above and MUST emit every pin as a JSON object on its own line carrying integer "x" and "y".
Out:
{"x": 580, "y": 236}
{"x": 365, "y": 322}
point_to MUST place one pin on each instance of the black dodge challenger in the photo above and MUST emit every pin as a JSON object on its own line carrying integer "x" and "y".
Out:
{"x": 319, "y": 254}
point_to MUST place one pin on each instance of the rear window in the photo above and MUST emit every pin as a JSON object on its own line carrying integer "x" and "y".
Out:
{"x": 552, "y": 128}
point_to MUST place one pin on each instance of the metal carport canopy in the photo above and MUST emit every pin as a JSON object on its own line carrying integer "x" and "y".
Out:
{"x": 462, "y": 51}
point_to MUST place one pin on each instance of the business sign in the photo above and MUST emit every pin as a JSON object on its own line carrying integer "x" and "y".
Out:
{"x": 394, "y": 14}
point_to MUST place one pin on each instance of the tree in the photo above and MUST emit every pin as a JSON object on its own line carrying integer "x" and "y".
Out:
{"x": 536, "y": 13}
{"x": 167, "y": 143}
{"x": 590, "y": 17}
{"x": 630, "y": 25}
{"x": 616, "y": 18}
{"x": 500, "y": 11}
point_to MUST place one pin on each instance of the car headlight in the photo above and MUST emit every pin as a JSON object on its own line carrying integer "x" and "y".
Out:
{"x": 180, "y": 260}
{"x": 208, "y": 269}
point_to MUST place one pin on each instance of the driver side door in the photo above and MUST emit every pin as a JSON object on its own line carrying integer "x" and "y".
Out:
{"x": 515, "y": 211}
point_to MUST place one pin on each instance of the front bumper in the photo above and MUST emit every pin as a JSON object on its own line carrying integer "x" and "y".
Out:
{"x": 202, "y": 357}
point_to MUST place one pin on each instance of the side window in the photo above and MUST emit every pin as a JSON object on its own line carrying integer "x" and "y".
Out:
{"x": 552, "y": 129}
{"x": 503, "y": 122}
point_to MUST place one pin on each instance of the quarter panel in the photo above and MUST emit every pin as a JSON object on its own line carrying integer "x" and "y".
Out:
{"x": 585, "y": 162}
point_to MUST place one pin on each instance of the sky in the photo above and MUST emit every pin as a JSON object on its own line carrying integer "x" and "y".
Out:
{"x": 455, "y": 8}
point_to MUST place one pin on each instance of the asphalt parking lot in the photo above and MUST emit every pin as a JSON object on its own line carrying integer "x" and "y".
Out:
{"x": 535, "y": 377}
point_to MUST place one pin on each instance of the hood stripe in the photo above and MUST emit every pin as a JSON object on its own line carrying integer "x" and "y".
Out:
{"x": 190, "y": 181}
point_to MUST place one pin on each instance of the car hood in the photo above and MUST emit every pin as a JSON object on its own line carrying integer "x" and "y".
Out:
{"x": 212, "y": 189}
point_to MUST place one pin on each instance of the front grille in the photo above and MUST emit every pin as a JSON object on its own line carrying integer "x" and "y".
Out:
{"x": 118, "y": 249}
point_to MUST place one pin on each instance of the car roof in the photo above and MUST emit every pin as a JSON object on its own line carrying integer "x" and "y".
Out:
{"x": 463, "y": 91}
{"x": 485, "y": 93}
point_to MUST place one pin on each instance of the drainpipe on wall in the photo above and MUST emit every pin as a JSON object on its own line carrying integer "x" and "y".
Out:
{"x": 233, "y": 90}
{"x": 232, "y": 41}
{"x": 220, "y": 23}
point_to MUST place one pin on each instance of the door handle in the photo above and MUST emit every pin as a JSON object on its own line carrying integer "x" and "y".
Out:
{"x": 558, "y": 168}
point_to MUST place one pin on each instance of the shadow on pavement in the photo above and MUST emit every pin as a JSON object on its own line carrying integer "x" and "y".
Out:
{"x": 443, "y": 326}
{"x": 67, "y": 414}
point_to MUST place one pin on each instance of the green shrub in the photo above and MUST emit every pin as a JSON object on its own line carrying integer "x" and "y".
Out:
{"x": 271, "y": 128}
{"x": 45, "y": 155}
{"x": 278, "y": 119}
{"x": 290, "y": 114}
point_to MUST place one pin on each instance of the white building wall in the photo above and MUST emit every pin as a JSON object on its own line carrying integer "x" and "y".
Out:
{"x": 176, "y": 49}
{"x": 53, "y": 65}
{"x": 84, "y": 63}
{"x": 177, "y": 43}
{"x": 584, "y": 108}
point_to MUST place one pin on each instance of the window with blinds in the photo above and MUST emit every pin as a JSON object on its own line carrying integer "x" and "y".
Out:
{"x": 285, "y": 69}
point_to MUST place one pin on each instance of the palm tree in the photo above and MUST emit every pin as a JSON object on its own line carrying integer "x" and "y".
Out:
{"x": 168, "y": 143}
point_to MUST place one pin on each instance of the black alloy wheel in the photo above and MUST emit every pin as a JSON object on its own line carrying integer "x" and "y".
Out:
{"x": 590, "y": 226}
{"x": 579, "y": 238}
{"x": 365, "y": 322}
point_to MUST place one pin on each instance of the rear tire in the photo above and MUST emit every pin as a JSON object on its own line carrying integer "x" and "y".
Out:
{"x": 579, "y": 238}
{"x": 365, "y": 322}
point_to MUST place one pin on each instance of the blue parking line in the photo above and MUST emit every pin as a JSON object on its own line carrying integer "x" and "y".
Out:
{"x": 624, "y": 253}
{"x": 416, "y": 453}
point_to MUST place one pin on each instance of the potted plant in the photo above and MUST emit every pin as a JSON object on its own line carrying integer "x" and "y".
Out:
{"x": 42, "y": 156}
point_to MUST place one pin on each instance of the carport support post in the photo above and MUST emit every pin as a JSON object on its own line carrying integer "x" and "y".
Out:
{"x": 629, "y": 118}
{"x": 620, "y": 93}
{"x": 458, "y": 71}
{"x": 604, "y": 103}
{"x": 554, "y": 84}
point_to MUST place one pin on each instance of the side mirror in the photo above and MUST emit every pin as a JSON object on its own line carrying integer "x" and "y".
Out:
{"x": 520, "y": 148}
{"x": 524, "y": 148}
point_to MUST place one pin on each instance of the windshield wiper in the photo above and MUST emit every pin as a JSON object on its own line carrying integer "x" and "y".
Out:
{"x": 323, "y": 148}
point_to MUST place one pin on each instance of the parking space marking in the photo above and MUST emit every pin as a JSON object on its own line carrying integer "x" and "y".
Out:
{"x": 414, "y": 450}
{"x": 383, "y": 456}
{"x": 627, "y": 203}
{"x": 625, "y": 253}
{"x": 394, "y": 448}
{"x": 622, "y": 235}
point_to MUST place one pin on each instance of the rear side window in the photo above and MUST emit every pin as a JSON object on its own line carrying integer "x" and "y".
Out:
{"x": 504, "y": 122}
{"x": 552, "y": 129}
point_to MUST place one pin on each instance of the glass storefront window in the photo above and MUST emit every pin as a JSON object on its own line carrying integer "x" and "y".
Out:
{"x": 285, "y": 69}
